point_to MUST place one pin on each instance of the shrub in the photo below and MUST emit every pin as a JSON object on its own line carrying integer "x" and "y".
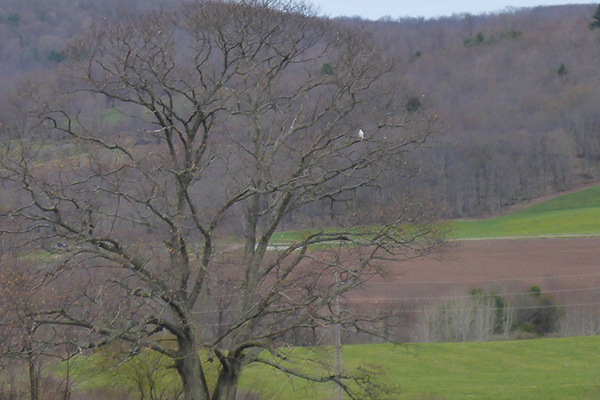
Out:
{"x": 56, "y": 56}
{"x": 327, "y": 69}
{"x": 537, "y": 312}
{"x": 14, "y": 19}
{"x": 514, "y": 34}
{"x": 413, "y": 104}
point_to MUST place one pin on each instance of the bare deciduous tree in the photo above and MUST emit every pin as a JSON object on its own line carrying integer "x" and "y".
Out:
{"x": 228, "y": 117}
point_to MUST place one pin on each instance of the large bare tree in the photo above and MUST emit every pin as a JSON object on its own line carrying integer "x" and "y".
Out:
{"x": 225, "y": 119}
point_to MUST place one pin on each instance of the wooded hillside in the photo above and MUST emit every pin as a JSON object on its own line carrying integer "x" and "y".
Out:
{"x": 516, "y": 92}
{"x": 148, "y": 158}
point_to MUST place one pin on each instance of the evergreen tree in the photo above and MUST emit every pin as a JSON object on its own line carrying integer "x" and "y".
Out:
{"x": 596, "y": 23}
{"x": 562, "y": 70}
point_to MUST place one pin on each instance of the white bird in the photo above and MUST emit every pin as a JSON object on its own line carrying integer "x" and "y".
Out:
{"x": 361, "y": 134}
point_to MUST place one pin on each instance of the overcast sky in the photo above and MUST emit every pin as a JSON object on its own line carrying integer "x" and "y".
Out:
{"x": 375, "y": 9}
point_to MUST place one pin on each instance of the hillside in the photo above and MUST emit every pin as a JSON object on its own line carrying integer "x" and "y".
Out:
{"x": 515, "y": 92}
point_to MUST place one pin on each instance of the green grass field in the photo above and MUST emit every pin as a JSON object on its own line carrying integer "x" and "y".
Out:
{"x": 573, "y": 214}
{"x": 567, "y": 368}
{"x": 539, "y": 369}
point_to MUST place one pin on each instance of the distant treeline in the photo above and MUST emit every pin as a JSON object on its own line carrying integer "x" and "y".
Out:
{"x": 516, "y": 92}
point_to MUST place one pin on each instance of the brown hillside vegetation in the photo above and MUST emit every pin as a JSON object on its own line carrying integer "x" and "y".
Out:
{"x": 516, "y": 126}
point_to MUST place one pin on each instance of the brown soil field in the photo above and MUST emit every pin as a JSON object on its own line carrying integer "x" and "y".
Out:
{"x": 567, "y": 267}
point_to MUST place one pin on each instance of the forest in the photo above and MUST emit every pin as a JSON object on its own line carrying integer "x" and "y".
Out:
{"x": 515, "y": 92}
{"x": 151, "y": 153}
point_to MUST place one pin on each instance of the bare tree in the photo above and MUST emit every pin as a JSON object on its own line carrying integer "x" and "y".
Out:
{"x": 20, "y": 331}
{"x": 232, "y": 116}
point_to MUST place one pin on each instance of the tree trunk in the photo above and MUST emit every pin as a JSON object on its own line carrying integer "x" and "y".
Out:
{"x": 227, "y": 382}
{"x": 191, "y": 373}
{"x": 67, "y": 392}
{"x": 34, "y": 382}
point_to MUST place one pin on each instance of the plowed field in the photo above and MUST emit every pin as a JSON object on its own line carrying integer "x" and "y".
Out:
{"x": 570, "y": 268}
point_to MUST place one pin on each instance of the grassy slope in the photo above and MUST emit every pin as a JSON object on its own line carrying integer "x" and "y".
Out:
{"x": 536, "y": 369}
{"x": 573, "y": 214}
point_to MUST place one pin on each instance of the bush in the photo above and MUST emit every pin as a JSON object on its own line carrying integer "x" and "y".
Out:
{"x": 514, "y": 34}
{"x": 537, "y": 312}
{"x": 56, "y": 56}
{"x": 478, "y": 39}
{"x": 413, "y": 104}
{"x": 14, "y": 19}
{"x": 523, "y": 335}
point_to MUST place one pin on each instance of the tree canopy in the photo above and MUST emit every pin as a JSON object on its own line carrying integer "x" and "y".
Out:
{"x": 220, "y": 124}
